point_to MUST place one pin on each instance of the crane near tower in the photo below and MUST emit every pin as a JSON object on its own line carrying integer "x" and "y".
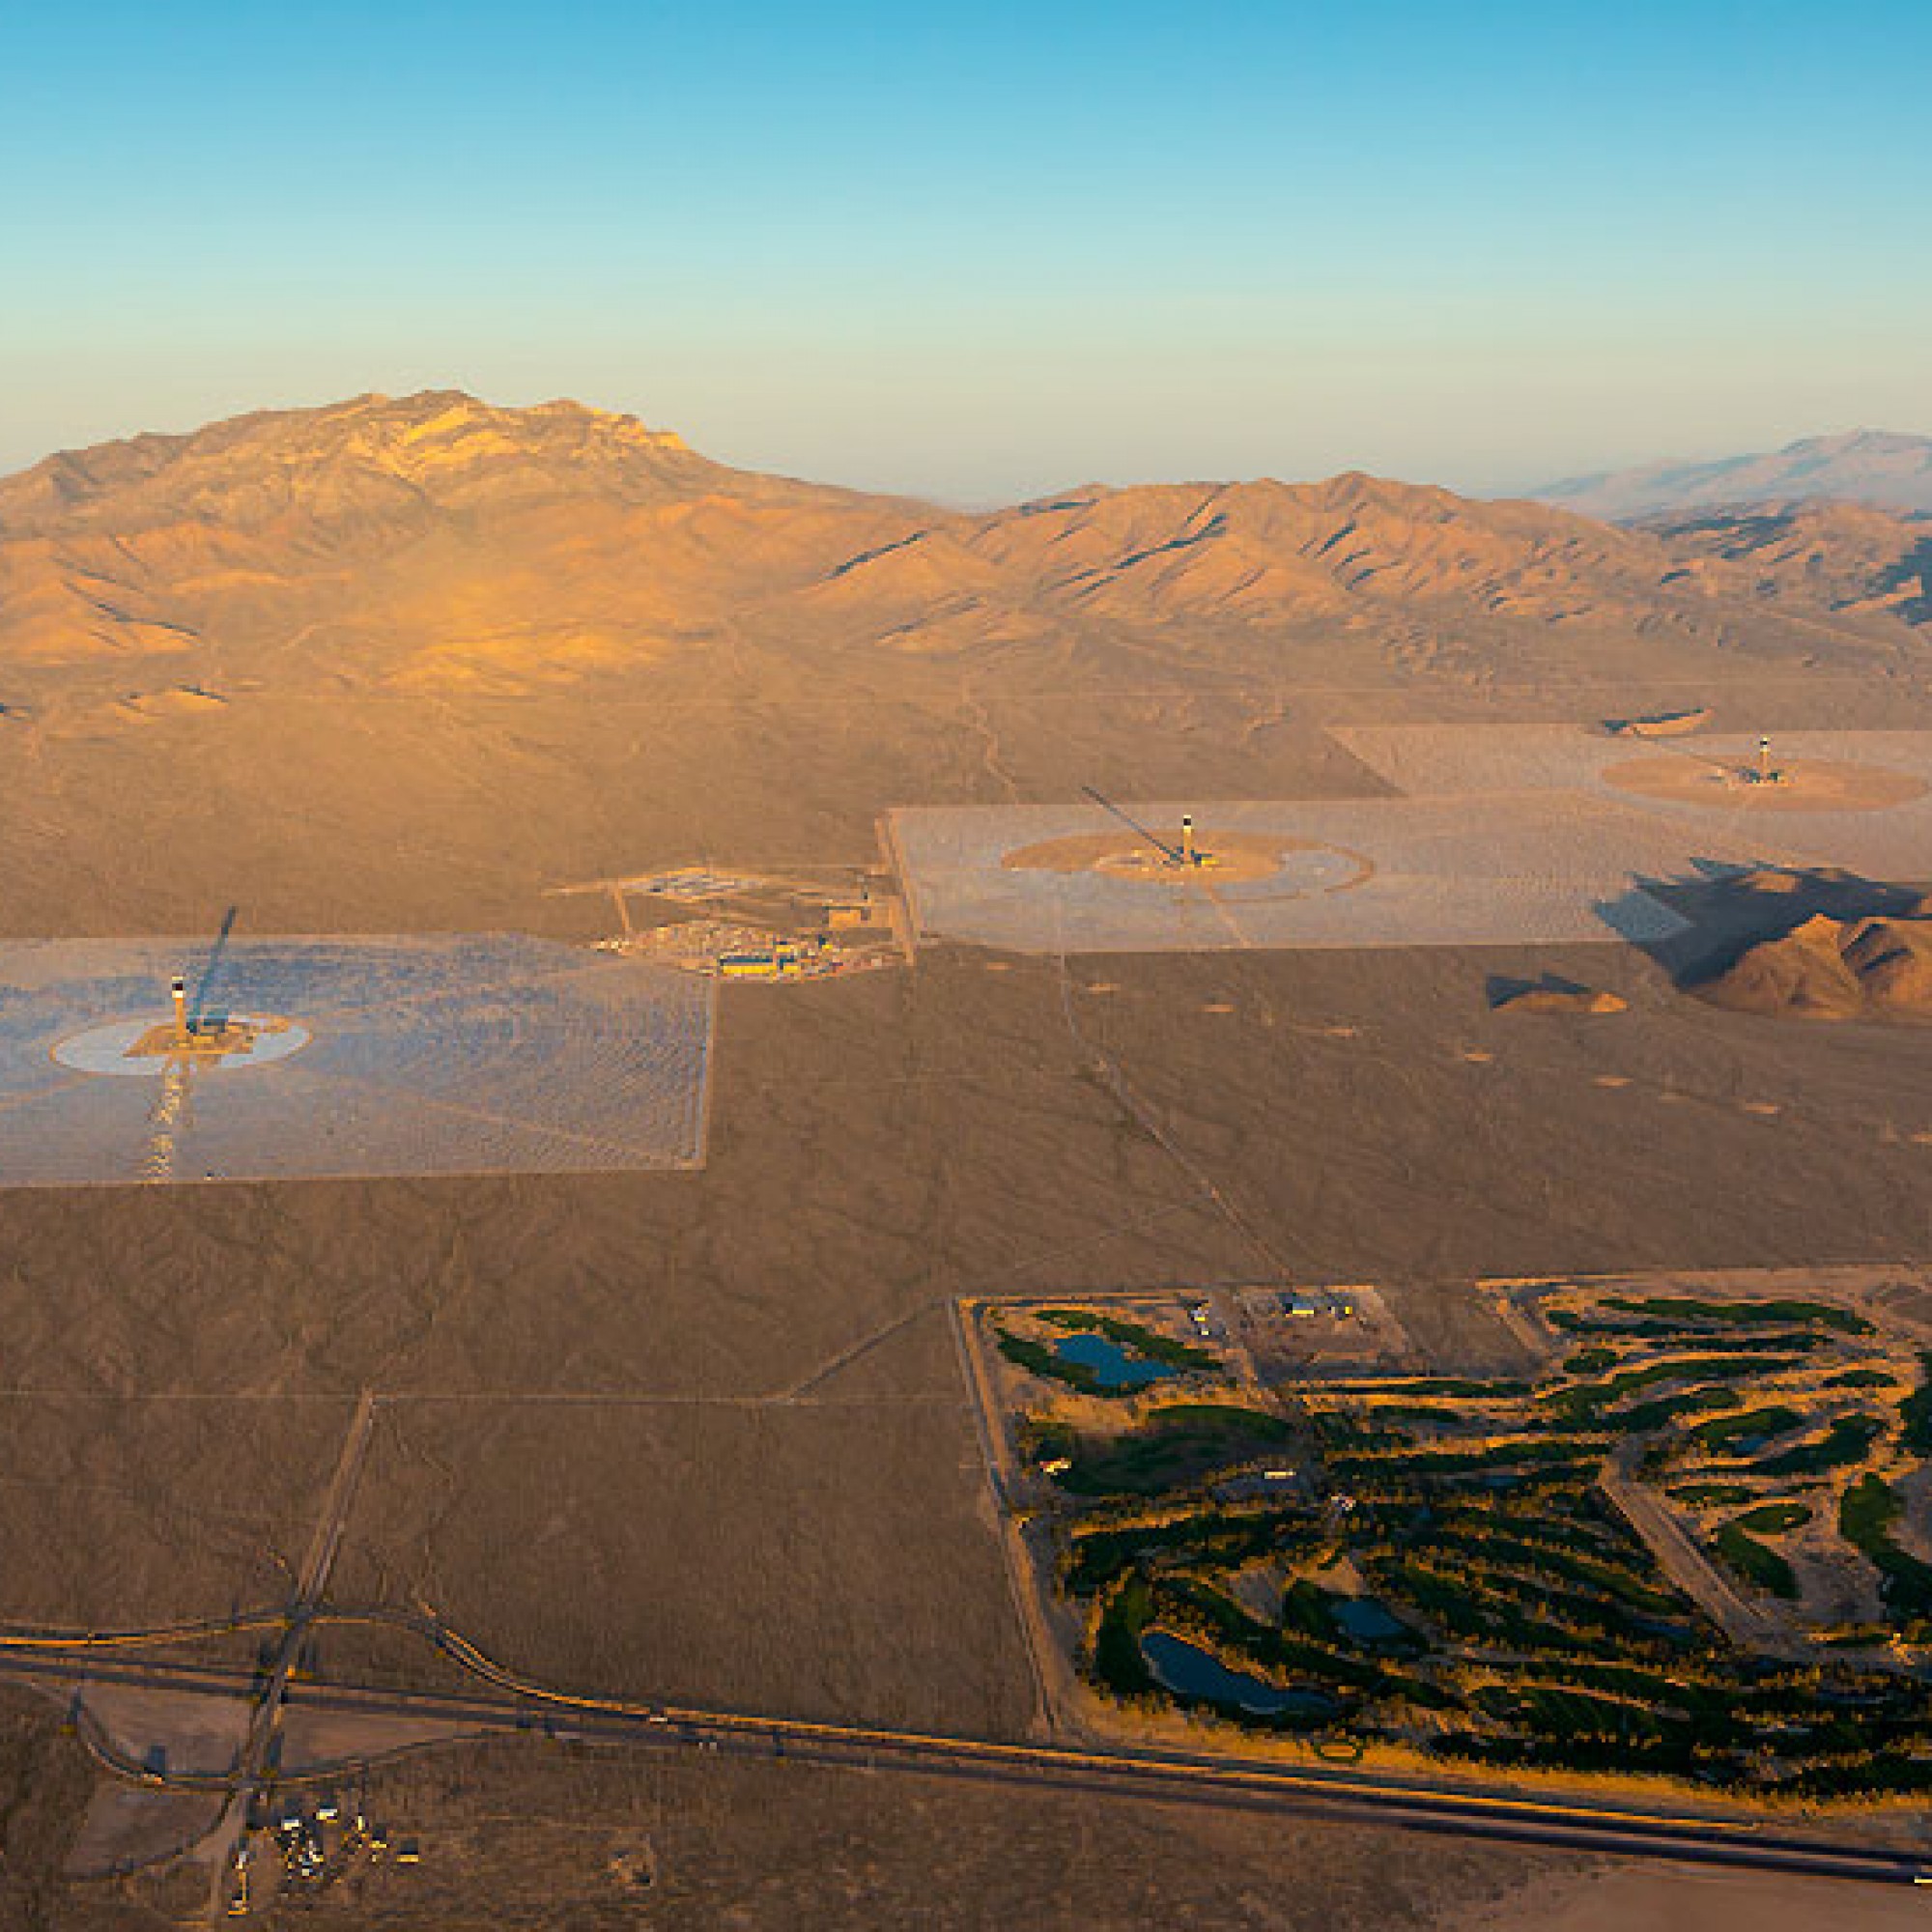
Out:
{"x": 1184, "y": 855}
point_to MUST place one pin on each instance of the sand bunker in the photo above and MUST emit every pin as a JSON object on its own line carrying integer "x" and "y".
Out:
{"x": 1803, "y": 784}
{"x": 325, "y": 1057}
{"x": 1225, "y": 857}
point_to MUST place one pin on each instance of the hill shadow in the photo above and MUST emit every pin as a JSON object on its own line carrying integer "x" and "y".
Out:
{"x": 1717, "y": 911}
{"x": 1505, "y": 989}
{"x": 1913, "y": 576}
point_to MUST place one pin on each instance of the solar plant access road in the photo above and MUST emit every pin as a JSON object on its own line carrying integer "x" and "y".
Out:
{"x": 1575, "y": 1824}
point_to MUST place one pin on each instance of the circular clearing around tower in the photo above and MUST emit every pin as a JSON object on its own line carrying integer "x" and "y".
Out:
{"x": 133, "y": 1049}
{"x": 1796, "y": 784}
{"x": 1294, "y": 867}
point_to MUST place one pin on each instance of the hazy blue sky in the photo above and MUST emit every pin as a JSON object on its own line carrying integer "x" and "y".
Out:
{"x": 979, "y": 252}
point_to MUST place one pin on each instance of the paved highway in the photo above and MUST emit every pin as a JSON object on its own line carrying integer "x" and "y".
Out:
{"x": 266, "y": 1717}
{"x": 1161, "y": 1776}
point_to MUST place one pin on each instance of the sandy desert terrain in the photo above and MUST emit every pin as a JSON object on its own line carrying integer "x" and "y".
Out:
{"x": 703, "y": 1433}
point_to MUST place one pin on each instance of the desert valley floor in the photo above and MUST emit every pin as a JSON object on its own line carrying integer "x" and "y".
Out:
{"x": 601, "y": 1320}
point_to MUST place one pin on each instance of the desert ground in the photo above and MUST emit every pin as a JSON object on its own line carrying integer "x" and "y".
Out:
{"x": 702, "y": 1433}
{"x": 541, "y": 1836}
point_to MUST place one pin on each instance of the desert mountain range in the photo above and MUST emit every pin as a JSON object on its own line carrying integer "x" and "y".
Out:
{"x": 1864, "y": 465}
{"x": 496, "y": 649}
{"x": 434, "y": 542}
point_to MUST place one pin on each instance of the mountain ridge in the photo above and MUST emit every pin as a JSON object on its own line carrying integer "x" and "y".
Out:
{"x": 437, "y": 541}
{"x": 1883, "y": 468}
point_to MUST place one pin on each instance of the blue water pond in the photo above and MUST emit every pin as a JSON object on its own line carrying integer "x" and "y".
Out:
{"x": 1364, "y": 1619}
{"x": 1112, "y": 1365}
{"x": 1189, "y": 1672}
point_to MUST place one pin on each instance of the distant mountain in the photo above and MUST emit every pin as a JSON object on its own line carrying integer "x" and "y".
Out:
{"x": 436, "y": 543}
{"x": 1850, "y": 558}
{"x": 1864, "y": 466}
{"x": 405, "y": 662}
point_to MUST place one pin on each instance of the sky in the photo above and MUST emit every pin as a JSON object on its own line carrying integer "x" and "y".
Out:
{"x": 979, "y": 252}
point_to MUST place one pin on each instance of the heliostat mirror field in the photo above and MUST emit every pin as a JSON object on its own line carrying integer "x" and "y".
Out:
{"x": 336, "y": 1057}
{"x": 1494, "y": 836}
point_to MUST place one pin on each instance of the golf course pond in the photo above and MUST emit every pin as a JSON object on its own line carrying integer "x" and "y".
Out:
{"x": 1113, "y": 1366}
{"x": 1189, "y": 1672}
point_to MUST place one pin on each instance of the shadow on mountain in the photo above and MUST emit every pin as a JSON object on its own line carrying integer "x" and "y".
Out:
{"x": 1812, "y": 942}
{"x": 1910, "y": 585}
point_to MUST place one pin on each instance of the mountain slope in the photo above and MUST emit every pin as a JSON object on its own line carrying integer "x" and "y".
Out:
{"x": 1835, "y": 969}
{"x": 1847, "y": 557}
{"x": 420, "y": 540}
{"x": 436, "y": 543}
{"x": 412, "y": 661}
{"x": 1862, "y": 467}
